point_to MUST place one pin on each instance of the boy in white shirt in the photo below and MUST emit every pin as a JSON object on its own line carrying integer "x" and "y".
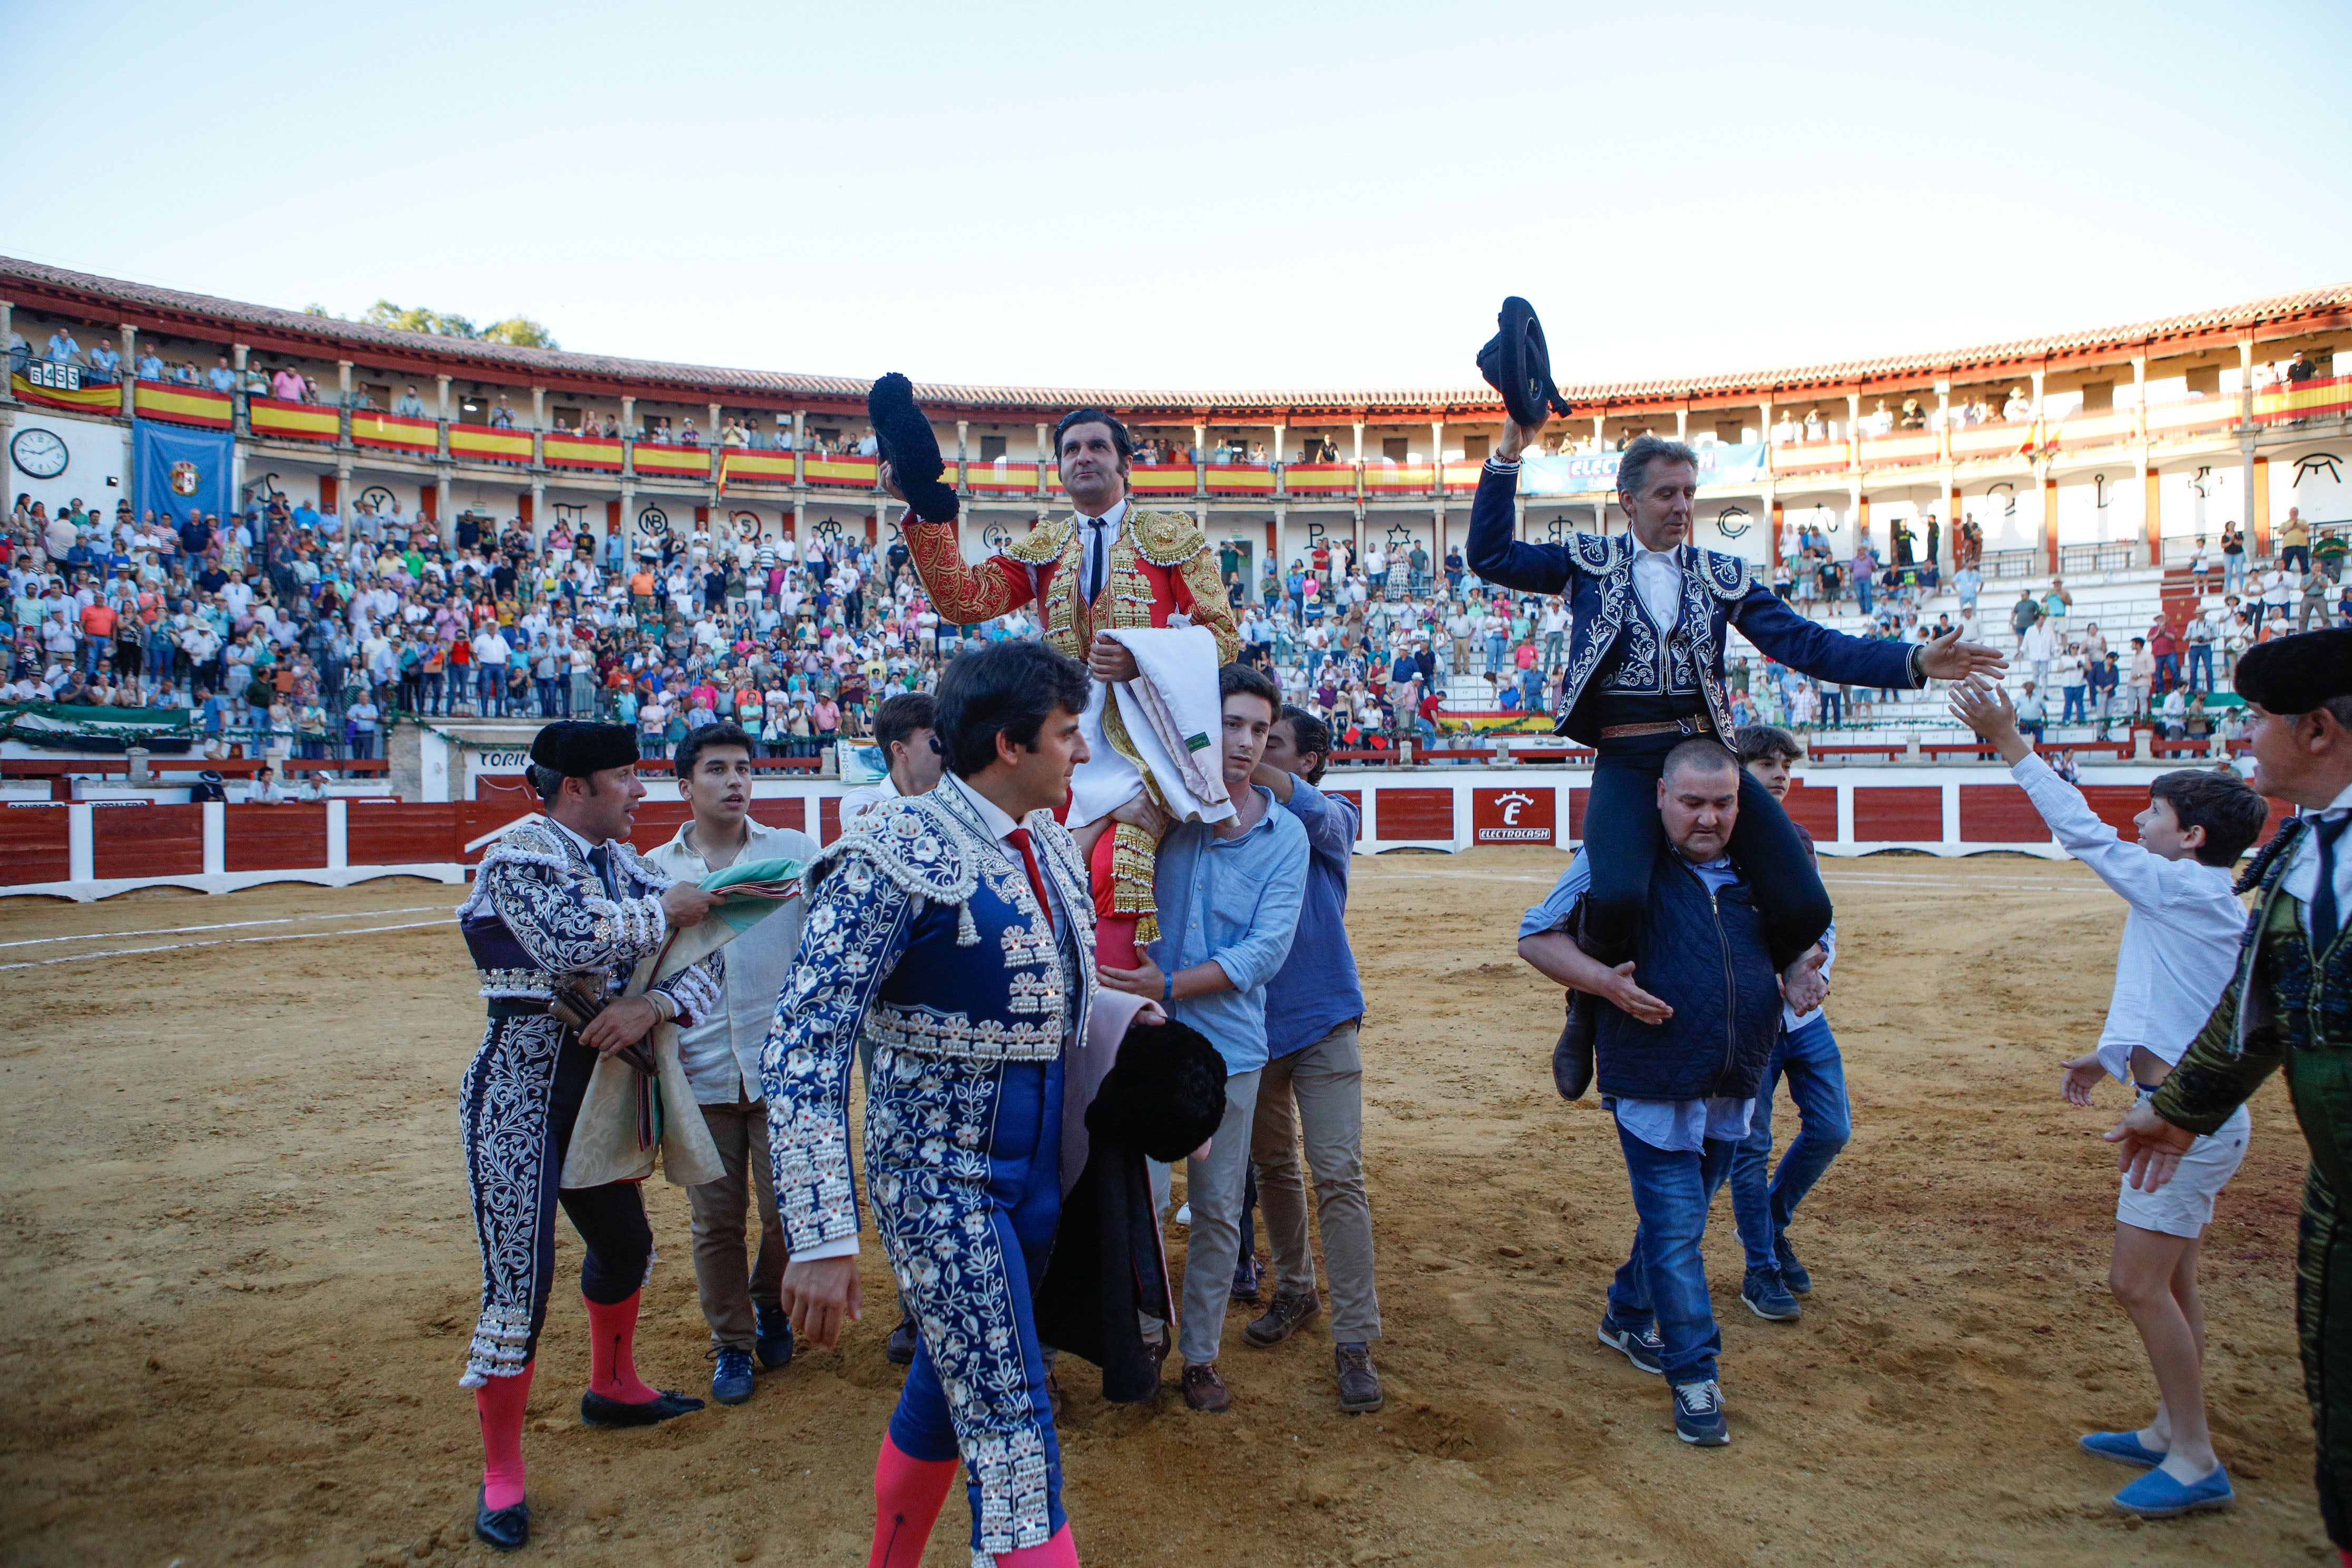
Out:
{"x": 2180, "y": 944}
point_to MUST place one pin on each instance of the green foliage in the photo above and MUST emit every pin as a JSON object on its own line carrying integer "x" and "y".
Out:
{"x": 520, "y": 331}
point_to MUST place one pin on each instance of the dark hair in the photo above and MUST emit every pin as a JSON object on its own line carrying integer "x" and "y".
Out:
{"x": 2219, "y": 802}
{"x": 1312, "y": 737}
{"x": 1634, "y": 466}
{"x": 900, "y": 717}
{"x": 1699, "y": 751}
{"x": 1763, "y": 743}
{"x": 1234, "y": 678}
{"x": 723, "y": 733}
{"x": 1119, "y": 435}
{"x": 1009, "y": 688}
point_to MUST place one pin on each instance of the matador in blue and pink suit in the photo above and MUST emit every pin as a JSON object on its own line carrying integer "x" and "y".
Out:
{"x": 959, "y": 944}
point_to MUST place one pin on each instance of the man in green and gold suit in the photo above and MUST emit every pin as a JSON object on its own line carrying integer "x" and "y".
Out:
{"x": 2290, "y": 1007}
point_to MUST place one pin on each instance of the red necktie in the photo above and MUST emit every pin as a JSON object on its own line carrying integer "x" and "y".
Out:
{"x": 1019, "y": 840}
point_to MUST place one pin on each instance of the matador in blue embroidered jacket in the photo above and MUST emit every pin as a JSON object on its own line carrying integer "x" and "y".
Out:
{"x": 926, "y": 938}
{"x": 1645, "y": 673}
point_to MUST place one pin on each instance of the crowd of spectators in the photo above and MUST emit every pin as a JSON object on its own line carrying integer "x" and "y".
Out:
{"x": 293, "y": 630}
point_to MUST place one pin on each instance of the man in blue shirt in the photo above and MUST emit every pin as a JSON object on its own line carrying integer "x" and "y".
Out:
{"x": 1314, "y": 1080}
{"x": 1678, "y": 1059}
{"x": 1229, "y": 894}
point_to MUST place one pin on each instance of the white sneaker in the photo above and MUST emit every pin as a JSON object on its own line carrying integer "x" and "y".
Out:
{"x": 1185, "y": 1216}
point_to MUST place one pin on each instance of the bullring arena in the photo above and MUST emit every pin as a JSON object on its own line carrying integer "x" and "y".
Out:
{"x": 242, "y": 1257}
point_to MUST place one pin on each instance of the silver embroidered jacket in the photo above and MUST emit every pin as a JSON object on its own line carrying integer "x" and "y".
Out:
{"x": 924, "y": 938}
{"x": 539, "y": 910}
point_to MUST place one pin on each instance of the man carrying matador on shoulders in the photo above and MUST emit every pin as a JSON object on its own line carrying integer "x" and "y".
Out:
{"x": 1134, "y": 595}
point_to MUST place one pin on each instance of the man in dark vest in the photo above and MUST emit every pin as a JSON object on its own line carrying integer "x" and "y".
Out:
{"x": 1678, "y": 1057}
{"x": 2289, "y": 1007}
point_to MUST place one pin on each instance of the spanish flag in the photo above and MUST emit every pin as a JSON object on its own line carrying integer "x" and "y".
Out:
{"x": 183, "y": 404}
{"x": 89, "y": 400}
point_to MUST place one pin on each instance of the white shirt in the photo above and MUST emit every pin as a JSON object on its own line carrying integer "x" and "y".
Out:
{"x": 2180, "y": 939}
{"x": 1095, "y": 568}
{"x": 2301, "y": 879}
{"x": 722, "y": 1053}
{"x": 1658, "y": 578}
{"x": 857, "y": 803}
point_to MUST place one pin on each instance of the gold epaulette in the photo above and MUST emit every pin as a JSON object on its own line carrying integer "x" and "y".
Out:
{"x": 1168, "y": 538}
{"x": 1040, "y": 543}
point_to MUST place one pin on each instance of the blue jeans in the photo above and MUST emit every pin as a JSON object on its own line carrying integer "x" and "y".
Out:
{"x": 1862, "y": 593}
{"x": 1816, "y": 1074}
{"x": 1493, "y": 654}
{"x": 2076, "y": 708}
{"x": 1664, "y": 1278}
{"x": 2200, "y": 658}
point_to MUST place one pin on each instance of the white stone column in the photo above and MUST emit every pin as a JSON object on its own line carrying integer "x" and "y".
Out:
{"x": 963, "y": 468}
{"x": 442, "y": 444}
{"x": 1682, "y": 423}
{"x": 130, "y": 369}
{"x": 1046, "y": 458}
{"x": 1360, "y": 444}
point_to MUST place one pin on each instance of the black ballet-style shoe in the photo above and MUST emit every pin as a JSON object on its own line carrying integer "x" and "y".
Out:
{"x": 598, "y": 1410}
{"x": 501, "y": 1528}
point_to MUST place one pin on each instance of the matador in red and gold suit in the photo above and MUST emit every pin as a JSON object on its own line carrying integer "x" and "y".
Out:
{"x": 1109, "y": 565}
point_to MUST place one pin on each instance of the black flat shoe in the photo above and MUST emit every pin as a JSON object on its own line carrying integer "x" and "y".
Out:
{"x": 598, "y": 1410}
{"x": 504, "y": 1529}
{"x": 903, "y": 1340}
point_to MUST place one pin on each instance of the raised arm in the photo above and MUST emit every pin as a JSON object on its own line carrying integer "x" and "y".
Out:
{"x": 1495, "y": 551}
{"x": 965, "y": 594}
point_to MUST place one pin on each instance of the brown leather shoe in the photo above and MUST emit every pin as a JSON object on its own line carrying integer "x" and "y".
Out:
{"x": 1359, "y": 1385}
{"x": 1282, "y": 1320}
{"x": 1204, "y": 1390}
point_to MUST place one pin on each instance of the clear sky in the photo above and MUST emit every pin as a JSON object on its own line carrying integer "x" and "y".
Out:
{"x": 1203, "y": 196}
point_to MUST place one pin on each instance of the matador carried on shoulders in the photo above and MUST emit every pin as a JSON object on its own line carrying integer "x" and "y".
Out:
{"x": 1102, "y": 578}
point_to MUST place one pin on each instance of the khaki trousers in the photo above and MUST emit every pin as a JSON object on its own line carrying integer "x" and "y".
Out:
{"x": 1318, "y": 1091}
{"x": 729, "y": 1287}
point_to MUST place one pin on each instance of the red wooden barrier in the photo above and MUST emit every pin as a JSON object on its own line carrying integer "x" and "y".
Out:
{"x": 33, "y": 843}
{"x": 275, "y": 838}
{"x": 1416, "y": 813}
{"x": 150, "y": 841}
{"x": 1899, "y": 812}
{"x": 1815, "y": 809}
{"x": 387, "y": 833}
{"x": 2000, "y": 814}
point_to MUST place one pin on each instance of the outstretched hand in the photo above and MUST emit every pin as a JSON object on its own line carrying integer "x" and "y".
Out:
{"x": 1631, "y": 999}
{"x": 2151, "y": 1147}
{"x": 1947, "y": 658}
{"x": 1985, "y": 707}
{"x": 1803, "y": 986}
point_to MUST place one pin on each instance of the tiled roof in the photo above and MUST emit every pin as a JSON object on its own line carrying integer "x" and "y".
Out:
{"x": 2329, "y": 307}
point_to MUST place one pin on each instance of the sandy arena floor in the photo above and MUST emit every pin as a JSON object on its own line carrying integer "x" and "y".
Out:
{"x": 244, "y": 1276}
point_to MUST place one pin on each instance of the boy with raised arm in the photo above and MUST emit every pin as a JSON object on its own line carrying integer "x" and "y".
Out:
{"x": 2180, "y": 941}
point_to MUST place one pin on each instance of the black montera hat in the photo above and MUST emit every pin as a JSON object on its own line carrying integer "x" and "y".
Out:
{"x": 1165, "y": 1094}
{"x": 2296, "y": 674}
{"x": 576, "y": 748}
{"x": 1516, "y": 363}
{"x": 904, "y": 438}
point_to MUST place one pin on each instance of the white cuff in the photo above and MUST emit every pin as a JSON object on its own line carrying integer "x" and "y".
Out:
{"x": 839, "y": 1247}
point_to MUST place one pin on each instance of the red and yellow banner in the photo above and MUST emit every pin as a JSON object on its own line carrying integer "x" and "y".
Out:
{"x": 678, "y": 462}
{"x": 392, "y": 431}
{"x": 1400, "y": 478}
{"x": 1002, "y": 478}
{"x": 1240, "y": 479}
{"x": 483, "y": 441}
{"x": 582, "y": 452}
{"x": 297, "y": 421}
{"x": 742, "y": 465}
{"x": 180, "y": 405}
{"x": 2301, "y": 400}
{"x": 89, "y": 400}
{"x": 1320, "y": 478}
{"x": 860, "y": 473}
{"x": 1461, "y": 478}
{"x": 1163, "y": 480}
{"x": 1886, "y": 451}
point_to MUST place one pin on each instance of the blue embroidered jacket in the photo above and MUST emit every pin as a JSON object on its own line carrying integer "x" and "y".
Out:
{"x": 1621, "y": 668}
{"x": 924, "y": 937}
{"x": 540, "y": 911}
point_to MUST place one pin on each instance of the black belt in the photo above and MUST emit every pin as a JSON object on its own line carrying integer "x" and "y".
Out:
{"x": 517, "y": 1007}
